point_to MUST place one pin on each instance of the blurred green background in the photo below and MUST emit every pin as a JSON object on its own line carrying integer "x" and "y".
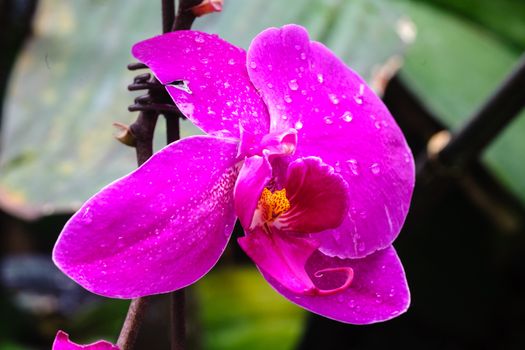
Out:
{"x": 64, "y": 83}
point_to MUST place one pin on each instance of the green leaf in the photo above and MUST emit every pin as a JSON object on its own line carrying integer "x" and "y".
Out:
{"x": 69, "y": 84}
{"x": 454, "y": 66}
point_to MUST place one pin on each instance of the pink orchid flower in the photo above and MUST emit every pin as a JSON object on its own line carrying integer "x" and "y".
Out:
{"x": 298, "y": 147}
{"x": 62, "y": 342}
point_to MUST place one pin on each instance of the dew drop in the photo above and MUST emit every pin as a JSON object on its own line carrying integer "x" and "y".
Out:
{"x": 353, "y": 166}
{"x": 358, "y": 99}
{"x": 284, "y": 117}
{"x": 231, "y": 61}
{"x": 320, "y": 78}
{"x": 204, "y": 61}
{"x": 351, "y": 303}
{"x": 333, "y": 98}
{"x": 299, "y": 125}
{"x": 293, "y": 85}
{"x": 328, "y": 120}
{"x": 377, "y": 125}
{"x": 270, "y": 67}
{"x": 303, "y": 92}
{"x": 270, "y": 85}
{"x": 287, "y": 99}
{"x": 297, "y": 47}
{"x": 303, "y": 56}
{"x": 226, "y": 85}
{"x": 379, "y": 299}
{"x": 253, "y": 65}
{"x": 375, "y": 169}
{"x": 347, "y": 116}
{"x": 361, "y": 246}
{"x": 337, "y": 167}
{"x": 199, "y": 39}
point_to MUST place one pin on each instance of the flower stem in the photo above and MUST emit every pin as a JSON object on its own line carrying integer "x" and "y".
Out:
{"x": 178, "y": 320}
{"x": 129, "y": 332}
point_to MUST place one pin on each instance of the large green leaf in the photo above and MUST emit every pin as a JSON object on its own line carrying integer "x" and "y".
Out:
{"x": 454, "y": 66}
{"x": 69, "y": 84}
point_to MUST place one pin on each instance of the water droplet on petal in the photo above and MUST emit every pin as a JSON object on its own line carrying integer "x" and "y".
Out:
{"x": 204, "y": 60}
{"x": 353, "y": 166}
{"x": 270, "y": 85}
{"x": 299, "y": 125}
{"x": 284, "y": 117}
{"x": 328, "y": 120}
{"x": 297, "y": 47}
{"x": 199, "y": 39}
{"x": 337, "y": 167}
{"x": 377, "y": 125}
{"x": 375, "y": 169}
{"x": 287, "y": 99}
{"x": 303, "y": 56}
{"x": 293, "y": 85}
{"x": 231, "y": 61}
{"x": 320, "y": 78}
{"x": 270, "y": 67}
{"x": 253, "y": 65}
{"x": 379, "y": 299}
{"x": 347, "y": 116}
{"x": 361, "y": 246}
{"x": 333, "y": 98}
{"x": 358, "y": 100}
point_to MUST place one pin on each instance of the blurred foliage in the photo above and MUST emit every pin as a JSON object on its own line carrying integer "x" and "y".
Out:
{"x": 454, "y": 65}
{"x": 239, "y": 310}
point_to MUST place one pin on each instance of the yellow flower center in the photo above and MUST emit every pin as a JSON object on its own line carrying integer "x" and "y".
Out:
{"x": 273, "y": 204}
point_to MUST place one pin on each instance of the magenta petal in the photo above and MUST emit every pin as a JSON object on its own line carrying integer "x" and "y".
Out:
{"x": 318, "y": 197}
{"x": 158, "y": 229}
{"x": 217, "y": 93}
{"x": 281, "y": 256}
{"x": 342, "y": 121}
{"x": 378, "y": 292}
{"x": 62, "y": 342}
{"x": 254, "y": 175}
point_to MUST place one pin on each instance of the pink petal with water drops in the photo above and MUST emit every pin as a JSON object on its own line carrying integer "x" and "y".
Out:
{"x": 281, "y": 256}
{"x": 216, "y": 93}
{"x": 62, "y": 342}
{"x": 158, "y": 229}
{"x": 378, "y": 291}
{"x": 340, "y": 120}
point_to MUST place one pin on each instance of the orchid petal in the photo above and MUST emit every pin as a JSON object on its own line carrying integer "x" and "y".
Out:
{"x": 158, "y": 229}
{"x": 281, "y": 256}
{"x": 253, "y": 176}
{"x": 340, "y": 120}
{"x": 214, "y": 92}
{"x": 378, "y": 291}
{"x": 318, "y": 197}
{"x": 62, "y": 342}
